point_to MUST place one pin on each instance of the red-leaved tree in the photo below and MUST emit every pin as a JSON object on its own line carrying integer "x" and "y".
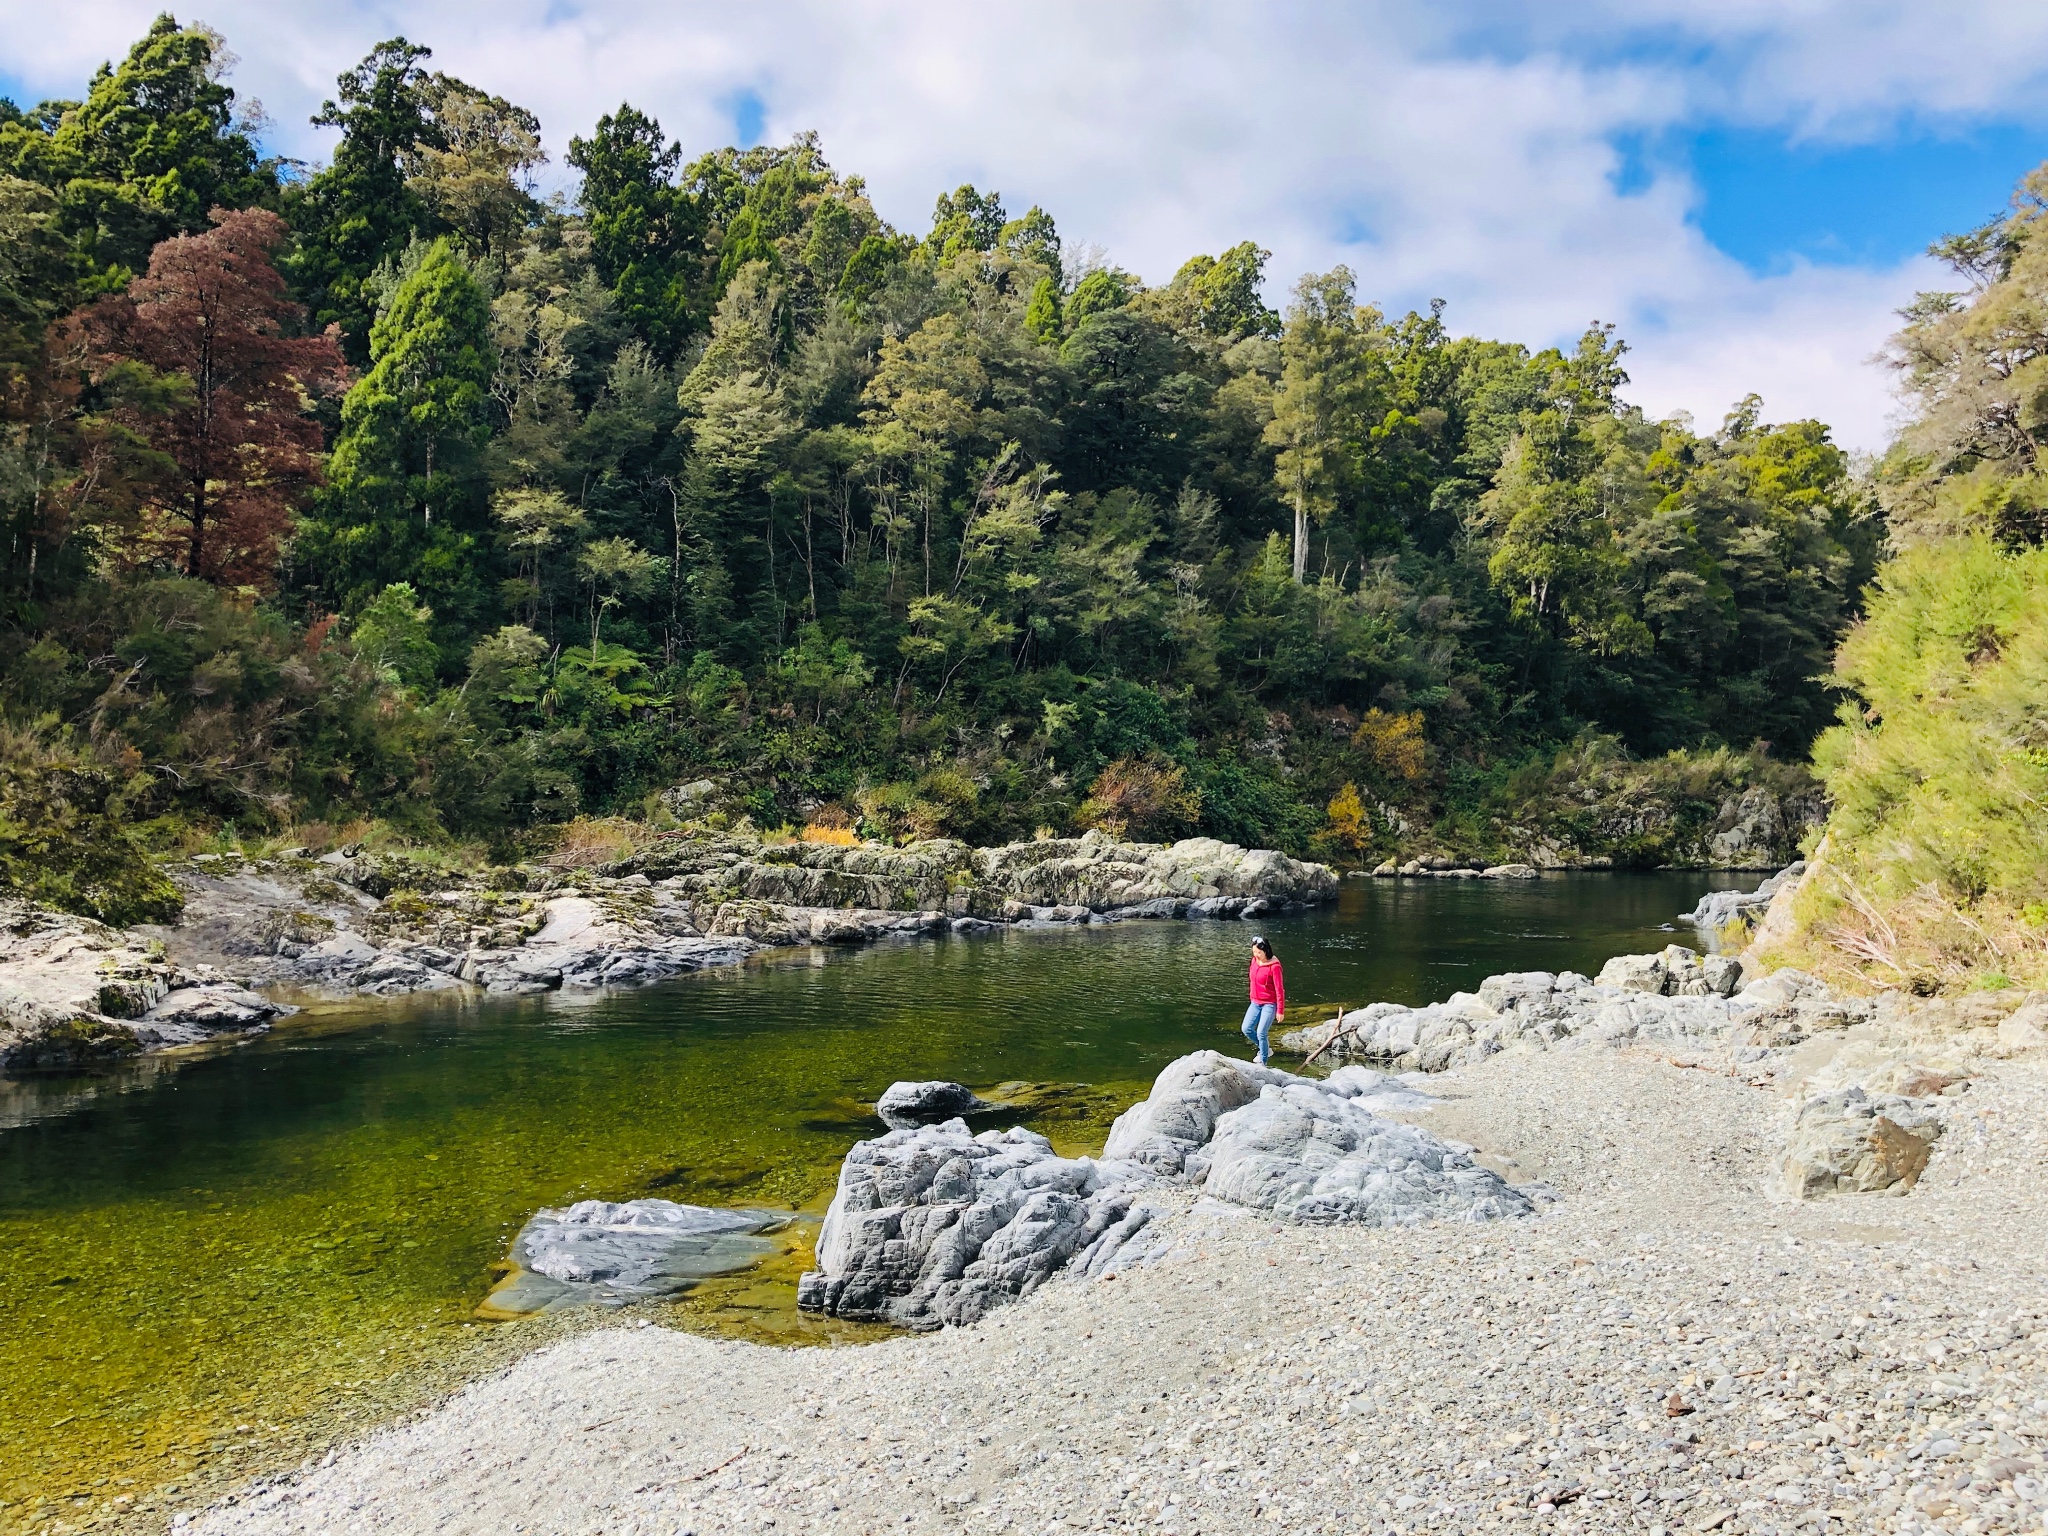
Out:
{"x": 212, "y": 317}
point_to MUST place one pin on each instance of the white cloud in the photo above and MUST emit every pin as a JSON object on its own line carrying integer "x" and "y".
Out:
{"x": 1465, "y": 155}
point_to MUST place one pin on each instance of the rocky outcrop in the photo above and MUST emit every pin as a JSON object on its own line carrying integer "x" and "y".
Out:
{"x": 1676, "y": 1001}
{"x": 1094, "y": 872}
{"x": 610, "y": 1253}
{"x": 1852, "y": 1140}
{"x": 1718, "y": 910}
{"x": 1455, "y": 869}
{"x": 1865, "y": 1080}
{"x": 934, "y": 1227}
{"x": 73, "y": 991}
{"x": 380, "y": 924}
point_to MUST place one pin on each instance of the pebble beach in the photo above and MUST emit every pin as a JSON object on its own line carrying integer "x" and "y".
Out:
{"x": 1668, "y": 1346}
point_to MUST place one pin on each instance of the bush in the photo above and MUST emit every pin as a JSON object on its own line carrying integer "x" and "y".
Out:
{"x": 1938, "y": 844}
{"x": 1142, "y": 797}
{"x": 64, "y": 837}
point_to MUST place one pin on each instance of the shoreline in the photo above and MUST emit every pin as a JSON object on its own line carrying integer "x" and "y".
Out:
{"x": 73, "y": 991}
{"x": 1469, "y": 1373}
{"x": 1498, "y": 1063}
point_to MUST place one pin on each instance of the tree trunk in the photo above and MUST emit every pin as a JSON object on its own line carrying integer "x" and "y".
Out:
{"x": 1300, "y": 538}
{"x": 196, "y": 553}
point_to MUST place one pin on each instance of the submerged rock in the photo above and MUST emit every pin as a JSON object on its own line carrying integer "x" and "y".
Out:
{"x": 904, "y": 1105}
{"x": 610, "y": 1253}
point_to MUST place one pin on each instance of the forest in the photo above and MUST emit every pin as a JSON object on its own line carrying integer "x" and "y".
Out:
{"x": 391, "y": 498}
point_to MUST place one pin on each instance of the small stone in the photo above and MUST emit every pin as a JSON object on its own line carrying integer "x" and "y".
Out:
{"x": 904, "y": 1105}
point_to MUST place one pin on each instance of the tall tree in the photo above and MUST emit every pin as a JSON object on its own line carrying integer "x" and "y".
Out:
{"x": 212, "y": 313}
{"x": 155, "y": 147}
{"x": 646, "y": 232}
{"x": 360, "y": 212}
{"x": 1316, "y": 408}
{"x": 408, "y": 497}
{"x": 477, "y": 176}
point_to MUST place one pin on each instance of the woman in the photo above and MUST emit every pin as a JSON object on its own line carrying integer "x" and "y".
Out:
{"x": 1269, "y": 997}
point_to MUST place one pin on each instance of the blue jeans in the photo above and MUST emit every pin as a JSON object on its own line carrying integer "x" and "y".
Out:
{"x": 1258, "y": 1023}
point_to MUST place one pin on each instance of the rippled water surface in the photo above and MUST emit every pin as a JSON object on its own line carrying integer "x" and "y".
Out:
{"x": 202, "y": 1258}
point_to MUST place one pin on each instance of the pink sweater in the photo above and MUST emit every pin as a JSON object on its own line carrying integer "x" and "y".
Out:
{"x": 1268, "y": 985}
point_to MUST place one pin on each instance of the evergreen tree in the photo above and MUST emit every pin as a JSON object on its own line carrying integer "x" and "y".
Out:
{"x": 407, "y": 498}
{"x": 152, "y": 150}
{"x": 360, "y": 212}
{"x": 646, "y": 232}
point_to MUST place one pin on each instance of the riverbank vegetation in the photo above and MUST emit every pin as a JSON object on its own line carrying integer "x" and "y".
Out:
{"x": 391, "y": 494}
{"x": 1936, "y": 873}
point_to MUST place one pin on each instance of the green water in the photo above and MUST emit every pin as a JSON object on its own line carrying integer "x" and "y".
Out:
{"x": 203, "y": 1260}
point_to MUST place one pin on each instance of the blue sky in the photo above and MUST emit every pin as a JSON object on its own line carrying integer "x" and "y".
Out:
{"x": 1743, "y": 186}
{"x": 1769, "y": 201}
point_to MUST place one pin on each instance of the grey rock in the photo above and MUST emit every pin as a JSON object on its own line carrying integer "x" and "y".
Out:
{"x": 1857, "y": 1142}
{"x": 610, "y": 1253}
{"x": 903, "y": 1105}
{"x": 215, "y": 1005}
{"x": 1179, "y": 1116}
{"x": 1376, "y": 1091}
{"x": 1512, "y": 872}
{"x": 1310, "y": 1155}
{"x": 1723, "y": 974}
{"x": 931, "y": 1227}
{"x": 1634, "y": 973}
{"x": 1786, "y": 986}
{"x": 1717, "y": 909}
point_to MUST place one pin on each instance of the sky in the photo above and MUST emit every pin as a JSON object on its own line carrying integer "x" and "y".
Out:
{"x": 1744, "y": 188}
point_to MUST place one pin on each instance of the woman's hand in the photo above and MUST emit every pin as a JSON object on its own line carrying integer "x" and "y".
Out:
{"x": 1280, "y": 1016}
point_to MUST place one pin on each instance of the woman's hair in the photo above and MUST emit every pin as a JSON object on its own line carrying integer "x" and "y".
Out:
{"x": 1267, "y": 945}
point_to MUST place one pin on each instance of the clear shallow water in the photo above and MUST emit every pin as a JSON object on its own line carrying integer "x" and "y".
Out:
{"x": 252, "y": 1237}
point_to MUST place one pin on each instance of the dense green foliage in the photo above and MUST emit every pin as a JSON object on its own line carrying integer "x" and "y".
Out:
{"x": 1936, "y": 872}
{"x": 719, "y": 474}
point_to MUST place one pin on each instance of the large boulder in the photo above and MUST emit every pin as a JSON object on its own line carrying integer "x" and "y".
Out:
{"x": 1855, "y": 1141}
{"x": 1313, "y": 1155}
{"x": 934, "y": 1226}
{"x": 1178, "y": 1117}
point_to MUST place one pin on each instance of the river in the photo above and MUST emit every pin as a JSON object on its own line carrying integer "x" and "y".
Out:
{"x": 203, "y": 1257}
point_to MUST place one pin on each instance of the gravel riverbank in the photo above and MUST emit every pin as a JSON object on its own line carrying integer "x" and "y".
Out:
{"x": 1859, "y": 1363}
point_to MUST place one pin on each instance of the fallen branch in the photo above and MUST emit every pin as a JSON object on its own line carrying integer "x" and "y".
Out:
{"x": 1337, "y": 1034}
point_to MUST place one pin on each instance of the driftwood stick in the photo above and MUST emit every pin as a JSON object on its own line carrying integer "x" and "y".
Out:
{"x": 1335, "y": 1035}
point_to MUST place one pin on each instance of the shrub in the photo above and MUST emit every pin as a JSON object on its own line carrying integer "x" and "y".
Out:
{"x": 65, "y": 840}
{"x": 1937, "y": 849}
{"x": 1141, "y": 797}
{"x": 590, "y": 841}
